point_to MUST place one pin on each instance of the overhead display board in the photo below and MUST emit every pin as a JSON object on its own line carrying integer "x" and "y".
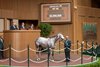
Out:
{"x": 56, "y": 12}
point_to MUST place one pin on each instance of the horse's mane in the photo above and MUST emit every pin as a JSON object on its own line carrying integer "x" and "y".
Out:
{"x": 52, "y": 36}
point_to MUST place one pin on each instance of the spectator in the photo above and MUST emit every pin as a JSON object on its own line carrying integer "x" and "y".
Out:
{"x": 31, "y": 27}
{"x": 13, "y": 26}
{"x": 1, "y": 47}
{"x": 22, "y": 26}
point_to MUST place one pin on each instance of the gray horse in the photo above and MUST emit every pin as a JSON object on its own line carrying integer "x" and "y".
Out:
{"x": 47, "y": 42}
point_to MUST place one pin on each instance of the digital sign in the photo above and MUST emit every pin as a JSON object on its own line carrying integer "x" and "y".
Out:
{"x": 56, "y": 12}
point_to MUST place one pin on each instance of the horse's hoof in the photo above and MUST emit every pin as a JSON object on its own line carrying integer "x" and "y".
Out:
{"x": 53, "y": 60}
{"x": 38, "y": 59}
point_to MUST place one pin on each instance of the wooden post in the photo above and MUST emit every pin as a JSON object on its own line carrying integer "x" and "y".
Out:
{"x": 92, "y": 51}
{"x": 9, "y": 55}
{"x": 28, "y": 56}
{"x": 81, "y": 53}
{"x": 77, "y": 46}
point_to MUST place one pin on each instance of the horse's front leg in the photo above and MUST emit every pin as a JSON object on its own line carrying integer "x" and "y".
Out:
{"x": 52, "y": 53}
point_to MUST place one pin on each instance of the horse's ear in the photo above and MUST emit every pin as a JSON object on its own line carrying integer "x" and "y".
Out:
{"x": 58, "y": 33}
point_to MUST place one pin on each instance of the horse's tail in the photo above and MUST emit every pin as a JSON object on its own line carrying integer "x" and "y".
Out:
{"x": 37, "y": 49}
{"x": 36, "y": 43}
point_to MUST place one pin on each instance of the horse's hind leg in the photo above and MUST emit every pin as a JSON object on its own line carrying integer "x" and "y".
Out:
{"x": 38, "y": 54}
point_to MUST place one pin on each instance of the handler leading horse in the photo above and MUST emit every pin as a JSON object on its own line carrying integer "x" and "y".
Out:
{"x": 47, "y": 42}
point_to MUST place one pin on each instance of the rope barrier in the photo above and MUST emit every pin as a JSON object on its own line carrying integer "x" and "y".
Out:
{"x": 19, "y": 50}
{"x": 4, "y": 49}
{"x": 38, "y": 61}
{"x": 45, "y": 60}
{"x": 75, "y": 49}
{"x": 91, "y": 52}
{"x": 86, "y": 48}
{"x": 74, "y": 60}
{"x": 67, "y": 48}
{"x": 87, "y": 58}
{"x": 42, "y": 50}
{"x": 89, "y": 45}
{"x": 4, "y": 60}
{"x": 49, "y": 59}
{"x": 57, "y": 61}
{"x": 79, "y": 44}
{"x": 37, "y": 51}
{"x": 19, "y": 61}
{"x": 61, "y": 43}
{"x": 58, "y": 50}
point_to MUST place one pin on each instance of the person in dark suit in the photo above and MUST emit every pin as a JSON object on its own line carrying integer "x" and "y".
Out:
{"x": 13, "y": 26}
{"x": 1, "y": 47}
{"x": 67, "y": 45}
{"x": 22, "y": 26}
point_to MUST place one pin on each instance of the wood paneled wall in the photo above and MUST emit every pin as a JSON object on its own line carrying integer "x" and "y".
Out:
{"x": 83, "y": 15}
{"x": 23, "y": 9}
{"x": 30, "y": 9}
{"x": 66, "y": 30}
{"x": 84, "y": 2}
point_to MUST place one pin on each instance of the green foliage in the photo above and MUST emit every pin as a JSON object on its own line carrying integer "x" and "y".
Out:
{"x": 92, "y": 51}
{"x": 45, "y": 29}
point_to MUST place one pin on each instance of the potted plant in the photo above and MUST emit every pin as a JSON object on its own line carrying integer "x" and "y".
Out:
{"x": 45, "y": 29}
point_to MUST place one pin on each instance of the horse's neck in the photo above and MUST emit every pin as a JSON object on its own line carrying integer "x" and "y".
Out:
{"x": 54, "y": 39}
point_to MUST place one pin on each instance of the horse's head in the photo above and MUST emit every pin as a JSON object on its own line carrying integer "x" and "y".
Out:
{"x": 60, "y": 36}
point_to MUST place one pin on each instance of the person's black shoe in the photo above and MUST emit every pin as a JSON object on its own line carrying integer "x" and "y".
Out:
{"x": 64, "y": 60}
{"x": 68, "y": 61}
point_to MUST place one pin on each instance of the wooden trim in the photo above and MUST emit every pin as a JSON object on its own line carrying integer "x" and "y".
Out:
{"x": 18, "y": 31}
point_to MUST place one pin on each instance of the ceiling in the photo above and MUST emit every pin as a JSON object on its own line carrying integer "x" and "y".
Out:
{"x": 96, "y": 3}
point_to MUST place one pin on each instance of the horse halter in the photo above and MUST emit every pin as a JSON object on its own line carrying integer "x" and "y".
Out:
{"x": 57, "y": 37}
{"x": 60, "y": 36}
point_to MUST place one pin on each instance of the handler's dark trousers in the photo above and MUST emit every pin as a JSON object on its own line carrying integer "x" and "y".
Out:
{"x": 1, "y": 54}
{"x": 67, "y": 55}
